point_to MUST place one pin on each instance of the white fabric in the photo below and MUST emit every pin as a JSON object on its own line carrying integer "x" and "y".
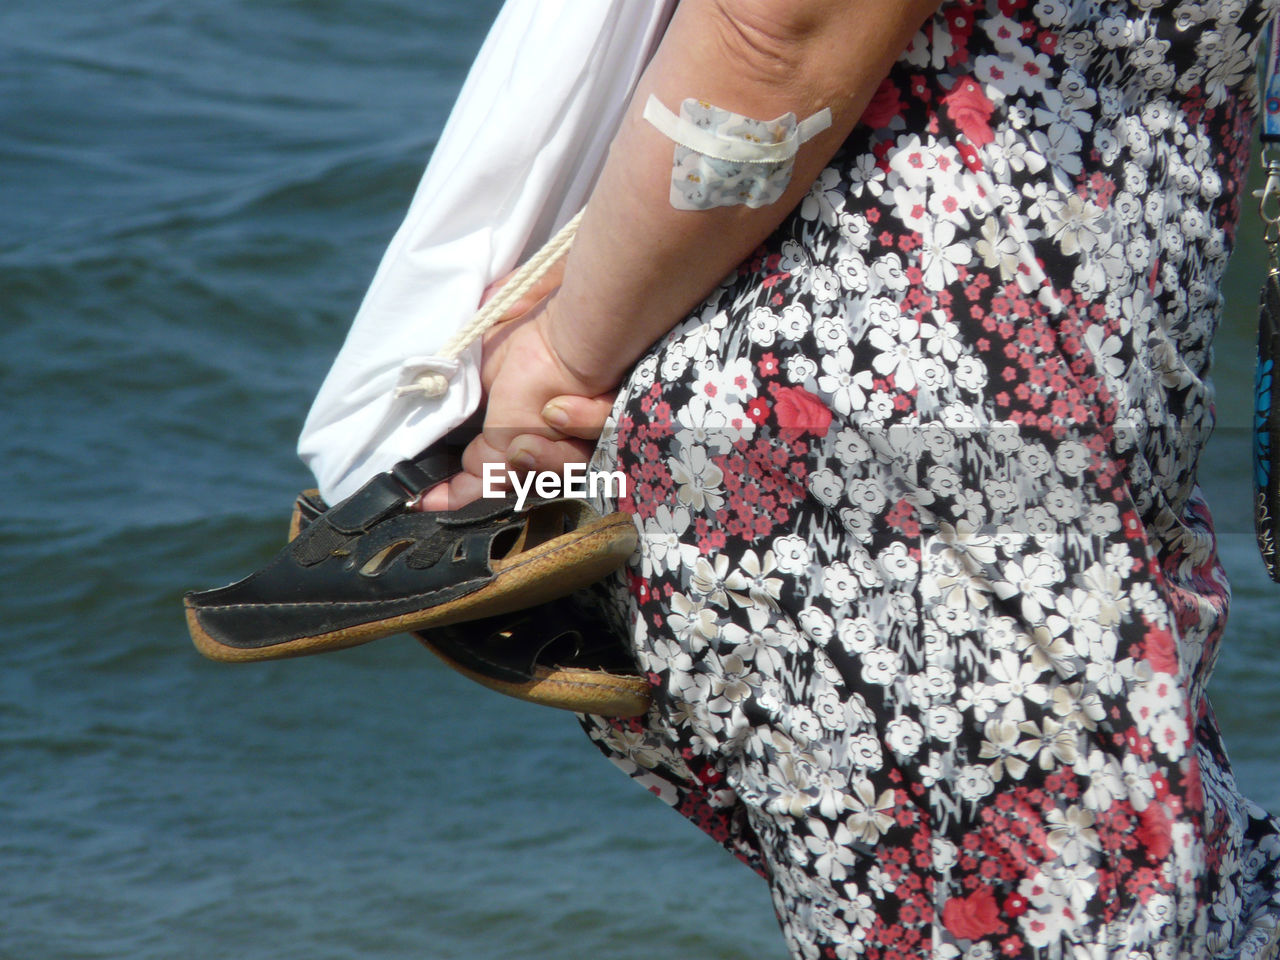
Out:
{"x": 516, "y": 160}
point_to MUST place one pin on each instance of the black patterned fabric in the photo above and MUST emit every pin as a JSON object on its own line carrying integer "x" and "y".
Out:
{"x": 927, "y": 591}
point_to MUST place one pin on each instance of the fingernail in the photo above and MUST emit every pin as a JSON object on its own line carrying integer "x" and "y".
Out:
{"x": 555, "y": 415}
{"x": 520, "y": 458}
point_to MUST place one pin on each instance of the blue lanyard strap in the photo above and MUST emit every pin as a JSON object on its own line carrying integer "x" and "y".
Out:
{"x": 1271, "y": 88}
{"x": 1269, "y": 79}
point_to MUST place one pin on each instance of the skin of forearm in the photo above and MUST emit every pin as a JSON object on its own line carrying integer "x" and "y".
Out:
{"x": 638, "y": 265}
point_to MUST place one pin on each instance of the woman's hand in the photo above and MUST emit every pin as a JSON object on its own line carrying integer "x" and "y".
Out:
{"x": 539, "y": 415}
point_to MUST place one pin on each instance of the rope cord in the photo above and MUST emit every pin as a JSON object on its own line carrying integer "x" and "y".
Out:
{"x": 521, "y": 282}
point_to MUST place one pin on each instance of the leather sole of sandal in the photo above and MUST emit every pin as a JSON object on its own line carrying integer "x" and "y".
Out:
{"x": 566, "y": 688}
{"x": 547, "y": 571}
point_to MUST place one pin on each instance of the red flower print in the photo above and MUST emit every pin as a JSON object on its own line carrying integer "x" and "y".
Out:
{"x": 1160, "y": 651}
{"x": 767, "y": 365}
{"x": 972, "y": 917}
{"x": 1012, "y": 946}
{"x": 969, "y": 155}
{"x": 970, "y": 110}
{"x": 1154, "y": 832}
{"x": 797, "y": 409}
{"x": 1015, "y": 905}
{"x": 884, "y": 106}
{"x": 758, "y": 410}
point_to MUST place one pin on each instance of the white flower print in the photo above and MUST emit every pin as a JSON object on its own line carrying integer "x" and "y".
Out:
{"x": 829, "y": 709}
{"x": 692, "y": 622}
{"x": 1048, "y": 744}
{"x": 708, "y": 579}
{"x": 870, "y": 815}
{"x": 831, "y": 333}
{"x": 704, "y": 425}
{"x": 1052, "y": 13}
{"x": 1015, "y": 678}
{"x": 1075, "y": 223}
{"x": 1064, "y": 504}
{"x": 1077, "y": 612}
{"x": 941, "y": 254}
{"x": 853, "y": 273}
{"x": 881, "y": 665}
{"x": 973, "y": 782}
{"x": 660, "y": 542}
{"x": 728, "y": 679}
{"x": 1071, "y": 833}
{"x": 1002, "y": 495}
{"x": 864, "y": 567}
{"x": 750, "y": 584}
{"x": 943, "y": 722}
{"x": 1106, "y": 350}
{"x": 833, "y": 848}
{"x": 897, "y": 563}
{"x": 865, "y": 174}
{"x": 801, "y": 369}
{"x": 889, "y": 272}
{"x": 998, "y": 249}
{"x": 1000, "y": 746}
{"x": 1229, "y": 60}
{"x": 824, "y": 198}
{"x": 1010, "y": 153}
{"x": 764, "y": 648}
{"x": 857, "y": 634}
{"x": 943, "y": 481}
{"x": 762, "y": 326}
{"x": 864, "y": 750}
{"x": 826, "y": 486}
{"x": 857, "y": 523}
{"x": 791, "y": 554}
{"x": 698, "y": 478}
{"x": 674, "y": 362}
{"x": 1170, "y": 735}
{"x": 794, "y": 258}
{"x": 880, "y": 406}
{"x": 794, "y": 322}
{"x": 802, "y": 725}
{"x": 867, "y": 494}
{"x": 970, "y": 374}
{"x": 635, "y": 746}
{"x": 817, "y": 624}
{"x": 839, "y": 583}
{"x": 904, "y": 736}
{"x": 850, "y": 447}
{"x": 846, "y": 388}
{"x": 1034, "y": 580}
{"x": 704, "y": 339}
{"x": 824, "y": 284}
{"x": 978, "y": 698}
{"x": 942, "y": 337}
{"x": 899, "y": 351}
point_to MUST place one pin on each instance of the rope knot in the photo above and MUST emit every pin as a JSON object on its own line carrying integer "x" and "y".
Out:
{"x": 429, "y": 385}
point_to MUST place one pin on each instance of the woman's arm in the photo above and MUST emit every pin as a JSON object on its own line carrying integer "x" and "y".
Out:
{"x": 638, "y": 265}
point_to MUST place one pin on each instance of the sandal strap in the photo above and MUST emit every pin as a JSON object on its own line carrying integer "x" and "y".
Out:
{"x": 387, "y": 493}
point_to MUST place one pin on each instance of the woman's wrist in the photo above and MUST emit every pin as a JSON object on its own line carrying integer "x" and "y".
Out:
{"x": 581, "y": 357}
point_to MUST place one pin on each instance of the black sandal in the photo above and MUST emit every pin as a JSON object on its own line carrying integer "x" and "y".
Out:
{"x": 371, "y": 566}
{"x": 564, "y": 654}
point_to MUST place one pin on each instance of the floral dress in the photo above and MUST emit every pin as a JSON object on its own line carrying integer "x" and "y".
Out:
{"x": 926, "y": 590}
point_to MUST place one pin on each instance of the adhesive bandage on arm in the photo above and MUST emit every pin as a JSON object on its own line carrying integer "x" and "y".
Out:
{"x": 723, "y": 158}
